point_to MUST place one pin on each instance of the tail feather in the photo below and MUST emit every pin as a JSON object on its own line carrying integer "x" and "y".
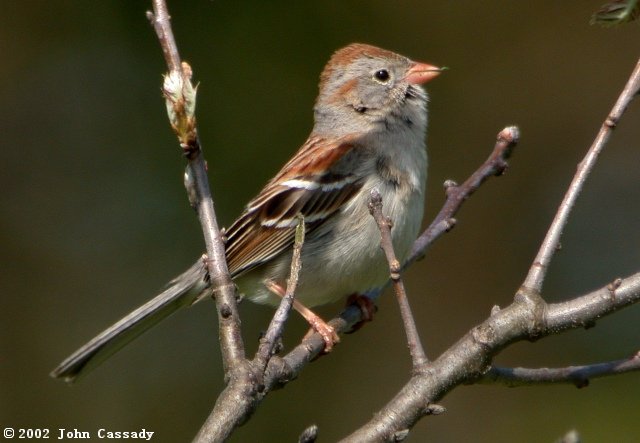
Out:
{"x": 182, "y": 291}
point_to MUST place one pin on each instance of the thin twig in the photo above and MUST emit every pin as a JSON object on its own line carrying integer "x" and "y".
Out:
{"x": 276, "y": 327}
{"x": 576, "y": 375}
{"x": 161, "y": 22}
{"x": 538, "y": 271}
{"x": 495, "y": 165}
{"x": 418, "y": 357}
{"x": 181, "y": 97}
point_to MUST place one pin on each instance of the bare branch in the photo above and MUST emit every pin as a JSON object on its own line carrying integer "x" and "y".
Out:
{"x": 276, "y": 327}
{"x": 470, "y": 357}
{"x": 496, "y": 165}
{"x": 538, "y": 271}
{"x": 418, "y": 357}
{"x": 161, "y": 22}
{"x": 181, "y": 97}
{"x": 577, "y": 375}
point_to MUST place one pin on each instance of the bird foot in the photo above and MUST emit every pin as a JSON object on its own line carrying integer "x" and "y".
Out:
{"x": 367, "y": 308}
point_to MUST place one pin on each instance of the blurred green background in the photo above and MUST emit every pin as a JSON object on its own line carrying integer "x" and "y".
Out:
{"x": 95, "y": 219}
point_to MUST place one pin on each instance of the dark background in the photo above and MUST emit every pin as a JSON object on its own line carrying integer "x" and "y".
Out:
{"x": 95, "y": 219}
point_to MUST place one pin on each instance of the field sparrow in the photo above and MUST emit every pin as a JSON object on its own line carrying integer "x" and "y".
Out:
{"x": 370, "y": 123}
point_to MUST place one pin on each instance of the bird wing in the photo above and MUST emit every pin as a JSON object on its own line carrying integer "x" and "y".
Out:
{"x": 306, "y": 185}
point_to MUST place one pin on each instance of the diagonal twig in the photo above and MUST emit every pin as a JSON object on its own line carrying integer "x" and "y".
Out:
{"x": 276, "y": 327}
{"x": 495, "y": 165}
{"x": 418, "y": 357}
{"x": 535, "y": 278}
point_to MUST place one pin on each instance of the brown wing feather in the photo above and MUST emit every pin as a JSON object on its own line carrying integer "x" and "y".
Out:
{"x": 266, "y": 227}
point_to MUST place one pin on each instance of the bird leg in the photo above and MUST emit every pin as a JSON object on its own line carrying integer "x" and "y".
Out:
{"x": 326, "y": 331}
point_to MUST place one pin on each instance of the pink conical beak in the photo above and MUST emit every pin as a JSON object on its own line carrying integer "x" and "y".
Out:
{"x": 421, "y": 73}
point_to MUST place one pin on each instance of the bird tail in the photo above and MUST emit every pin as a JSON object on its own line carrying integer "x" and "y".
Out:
{"x": 184, "y": 290}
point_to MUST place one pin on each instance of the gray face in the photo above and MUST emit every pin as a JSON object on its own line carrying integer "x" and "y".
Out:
{"x": 379, "y": 85}
{"x": 369, "y": 91}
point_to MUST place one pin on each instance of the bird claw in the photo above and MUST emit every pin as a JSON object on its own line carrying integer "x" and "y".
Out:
{"x": 326, "y": 331}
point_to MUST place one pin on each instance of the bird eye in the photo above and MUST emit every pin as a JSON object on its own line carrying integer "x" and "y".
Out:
{"x": 382, "y": 75}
